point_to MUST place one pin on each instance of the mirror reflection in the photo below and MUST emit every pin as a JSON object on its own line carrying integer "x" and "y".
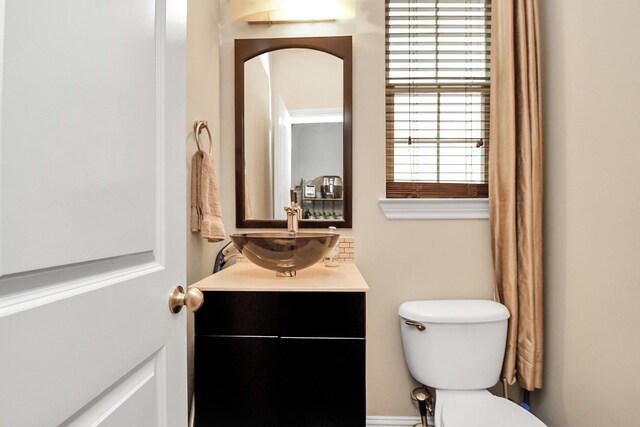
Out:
{"x": 293, "y": 134}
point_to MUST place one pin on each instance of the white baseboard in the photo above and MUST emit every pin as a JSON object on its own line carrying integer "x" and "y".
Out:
{"x": 372, "y": 421}
{"x": 394, "y": 421}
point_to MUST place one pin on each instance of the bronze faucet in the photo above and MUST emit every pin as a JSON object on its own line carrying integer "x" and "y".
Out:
{"x": 294, "y": 213}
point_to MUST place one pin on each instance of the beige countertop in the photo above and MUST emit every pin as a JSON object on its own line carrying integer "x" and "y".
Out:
{"x": 245, "y": 276}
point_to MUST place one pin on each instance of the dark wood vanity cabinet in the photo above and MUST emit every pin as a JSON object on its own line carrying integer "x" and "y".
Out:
{"x": 280, "y": 359}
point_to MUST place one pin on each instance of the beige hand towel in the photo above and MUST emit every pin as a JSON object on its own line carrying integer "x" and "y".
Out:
{"x": 206, "y": 214}
{"x": 196, "y": 171}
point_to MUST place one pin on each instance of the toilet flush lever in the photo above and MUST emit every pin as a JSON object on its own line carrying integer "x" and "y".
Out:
{"x": 418, "y": 325}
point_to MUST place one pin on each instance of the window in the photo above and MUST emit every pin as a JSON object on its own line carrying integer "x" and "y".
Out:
{"x": 437, "y": 98}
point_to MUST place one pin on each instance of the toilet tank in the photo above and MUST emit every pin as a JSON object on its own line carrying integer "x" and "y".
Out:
{"x": 462, "y": 345}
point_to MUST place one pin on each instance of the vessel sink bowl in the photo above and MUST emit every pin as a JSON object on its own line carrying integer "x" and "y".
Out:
{"x": 284, "y": 252}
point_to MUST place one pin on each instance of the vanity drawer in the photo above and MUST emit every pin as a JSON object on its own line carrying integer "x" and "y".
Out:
{"x": 293, "y": 314}
{"x": 323, "y": 314}
{"x": 239, "y": 313}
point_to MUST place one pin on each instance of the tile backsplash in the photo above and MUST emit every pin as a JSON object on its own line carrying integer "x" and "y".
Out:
{"x": 347, "y": 246}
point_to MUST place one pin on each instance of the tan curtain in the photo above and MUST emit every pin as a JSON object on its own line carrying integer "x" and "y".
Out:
{"x": 515, "y": 184}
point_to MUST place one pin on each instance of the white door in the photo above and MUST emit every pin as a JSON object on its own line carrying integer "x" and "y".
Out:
{"x": 282, "y": 160}
{"x": 92, "y": 212}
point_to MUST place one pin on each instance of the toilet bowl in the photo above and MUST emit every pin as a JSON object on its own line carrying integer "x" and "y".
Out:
{"x": 457, "y": 347}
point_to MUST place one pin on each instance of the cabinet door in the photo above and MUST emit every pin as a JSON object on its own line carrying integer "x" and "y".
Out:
{"x": 322, "y": 382}
{"x": 236, "y": 381}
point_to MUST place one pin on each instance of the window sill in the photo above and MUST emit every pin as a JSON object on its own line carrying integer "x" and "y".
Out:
{"x": 435, "y": 208}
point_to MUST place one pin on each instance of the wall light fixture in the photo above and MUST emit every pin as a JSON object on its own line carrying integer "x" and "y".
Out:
{"x": 285, "y": 11}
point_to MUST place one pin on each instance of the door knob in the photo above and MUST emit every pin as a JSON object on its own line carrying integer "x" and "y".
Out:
{"x": 193, "y": 299}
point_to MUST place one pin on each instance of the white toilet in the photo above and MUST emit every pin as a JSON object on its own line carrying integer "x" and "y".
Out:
{"x": 457, "y": 347}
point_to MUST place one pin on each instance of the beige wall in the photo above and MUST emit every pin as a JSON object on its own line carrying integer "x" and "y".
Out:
{"x": 401, "y": 260}
{"x": 306, "y": 79}
{"x": 203, "y": 95}
{"x": 591, "y": 54}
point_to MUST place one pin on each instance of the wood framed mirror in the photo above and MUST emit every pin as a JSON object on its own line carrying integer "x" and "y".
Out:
{"x": 293, "y": 100}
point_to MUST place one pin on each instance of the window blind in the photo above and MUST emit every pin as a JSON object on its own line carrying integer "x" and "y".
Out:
{"x": 437, "y": 97}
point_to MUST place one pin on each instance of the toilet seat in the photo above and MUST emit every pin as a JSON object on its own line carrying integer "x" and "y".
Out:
{"x": 485, "y": 411}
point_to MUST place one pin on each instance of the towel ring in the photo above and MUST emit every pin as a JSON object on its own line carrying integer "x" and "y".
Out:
{"x": 197, "y": 129}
